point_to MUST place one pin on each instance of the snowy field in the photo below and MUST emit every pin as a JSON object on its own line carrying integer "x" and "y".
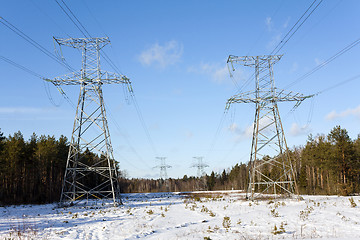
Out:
{"x": 209, "y": 215}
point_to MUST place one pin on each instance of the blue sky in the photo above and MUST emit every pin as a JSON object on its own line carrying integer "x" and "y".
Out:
{"x": 175, "y": 54}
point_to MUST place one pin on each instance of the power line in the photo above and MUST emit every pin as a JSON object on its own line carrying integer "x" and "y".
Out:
{"x": 106, "y": 57}
{"x": 293, "y": 27}
{"x": 142, "y": 121}
{"x": 329, "y": 60}
{"x": 47, "y": 15}
{"x": 43, "y": 50}
{"x": 69, "y": 16}
{"x": 311, "y": 111}
{"x": 21, "y": 67}
{"x": 25, "y": 69}
{"x": 127, "y": 139}
{"x": 124, "y": 159}
{"x": 34, "y": 43}
{"x": 75, "y": 17}
{"x": 262, "y": 33}
{"x": 320, "y": 20}
{"x": 217, "y": 133}
{"x": 338, "y": 84}
{"x": 93, "y": 16}
{"x": 48, "y": 94}
{"x": 282, "y": 43}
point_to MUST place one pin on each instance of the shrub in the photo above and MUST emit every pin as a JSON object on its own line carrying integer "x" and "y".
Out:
{"x": 226, "y": 222}
{"x": 212, "y": 214}
{"x": 274, "y": 213}
{"x": 352, "y": 202}
{"x": 276, "y": 231}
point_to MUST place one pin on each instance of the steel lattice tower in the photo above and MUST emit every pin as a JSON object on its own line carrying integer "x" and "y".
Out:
{"x": 91, "y": 170}
{"x": 267, "y": 174}
{"x": 163, "y": 166}
{"x": 200, "y": 165}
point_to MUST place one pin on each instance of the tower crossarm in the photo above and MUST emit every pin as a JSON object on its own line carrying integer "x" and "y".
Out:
{"x": 290, "y": 96}
{"x": 75, "y": 78}
{"x": 265, "y": 97}
{"x": 82, "y": 42}
{"x": 163, "y": 166}
{"x": 246, "y": 97}
{"x": 253, "y": 61}
{"x": 200, "y": 165}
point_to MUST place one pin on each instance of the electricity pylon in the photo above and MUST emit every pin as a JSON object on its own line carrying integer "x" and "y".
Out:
{"x": 163, "y": 166}
{"x": 267, "y": 173}
{"x": 91, "y": 170}
{"x": 200, "y": 166}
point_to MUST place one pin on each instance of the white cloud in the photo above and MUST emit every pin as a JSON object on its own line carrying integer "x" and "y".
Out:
{"x": 162, "y": 55}
{"x": 218, "y": 72}
{"x": 274, "y": 41}
{"x": 177, "y": 91}
{"x": 286, "y": 23}
{"x": 239, "y": 133}
{"x": 32, "y": 113}
{"x": 318, "y": 61}
{"x": 189, "y": 134}
{"x": 154, "y": 126}
{"x": 233, "y": 127}
{"x": 332, "y": 115}
{"x": 247, "y": 133}
{"x": 294, "y": 67}
{"x": 349, "y": 112}
{"x": 221, "y": 74}
{"x": 276, "y": 31}
{"x": 5, "y": 110}
{"x": 296, "y": 130}
{"x": 269, "y": 24}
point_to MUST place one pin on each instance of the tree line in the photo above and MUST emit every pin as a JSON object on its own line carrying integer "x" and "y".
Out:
{"x": 32, "y": 170}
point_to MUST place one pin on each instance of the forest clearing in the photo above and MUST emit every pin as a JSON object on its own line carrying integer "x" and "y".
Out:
{"x": 209, "y": 215}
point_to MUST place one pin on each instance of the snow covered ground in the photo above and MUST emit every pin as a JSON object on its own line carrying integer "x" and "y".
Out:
{"x": 216, "y": 215}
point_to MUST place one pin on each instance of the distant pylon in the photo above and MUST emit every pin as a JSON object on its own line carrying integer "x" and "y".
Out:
{"x": 163, "y": 166}
{"x": 91, "y": 170}
{"x": 200, "y": 166}
{"x": 267, "y": 173}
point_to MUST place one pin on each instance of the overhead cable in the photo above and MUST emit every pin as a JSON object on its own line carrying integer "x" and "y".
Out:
{"x": 329, "y": 60}
{"x": 34, "y": 43}
{"x": 286, "y": 38}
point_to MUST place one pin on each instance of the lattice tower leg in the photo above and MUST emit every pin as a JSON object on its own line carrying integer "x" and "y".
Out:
{"x": 91, "y": 170}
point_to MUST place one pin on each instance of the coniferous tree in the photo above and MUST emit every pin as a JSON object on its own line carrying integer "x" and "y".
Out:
{"x": 342, "y": 156}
